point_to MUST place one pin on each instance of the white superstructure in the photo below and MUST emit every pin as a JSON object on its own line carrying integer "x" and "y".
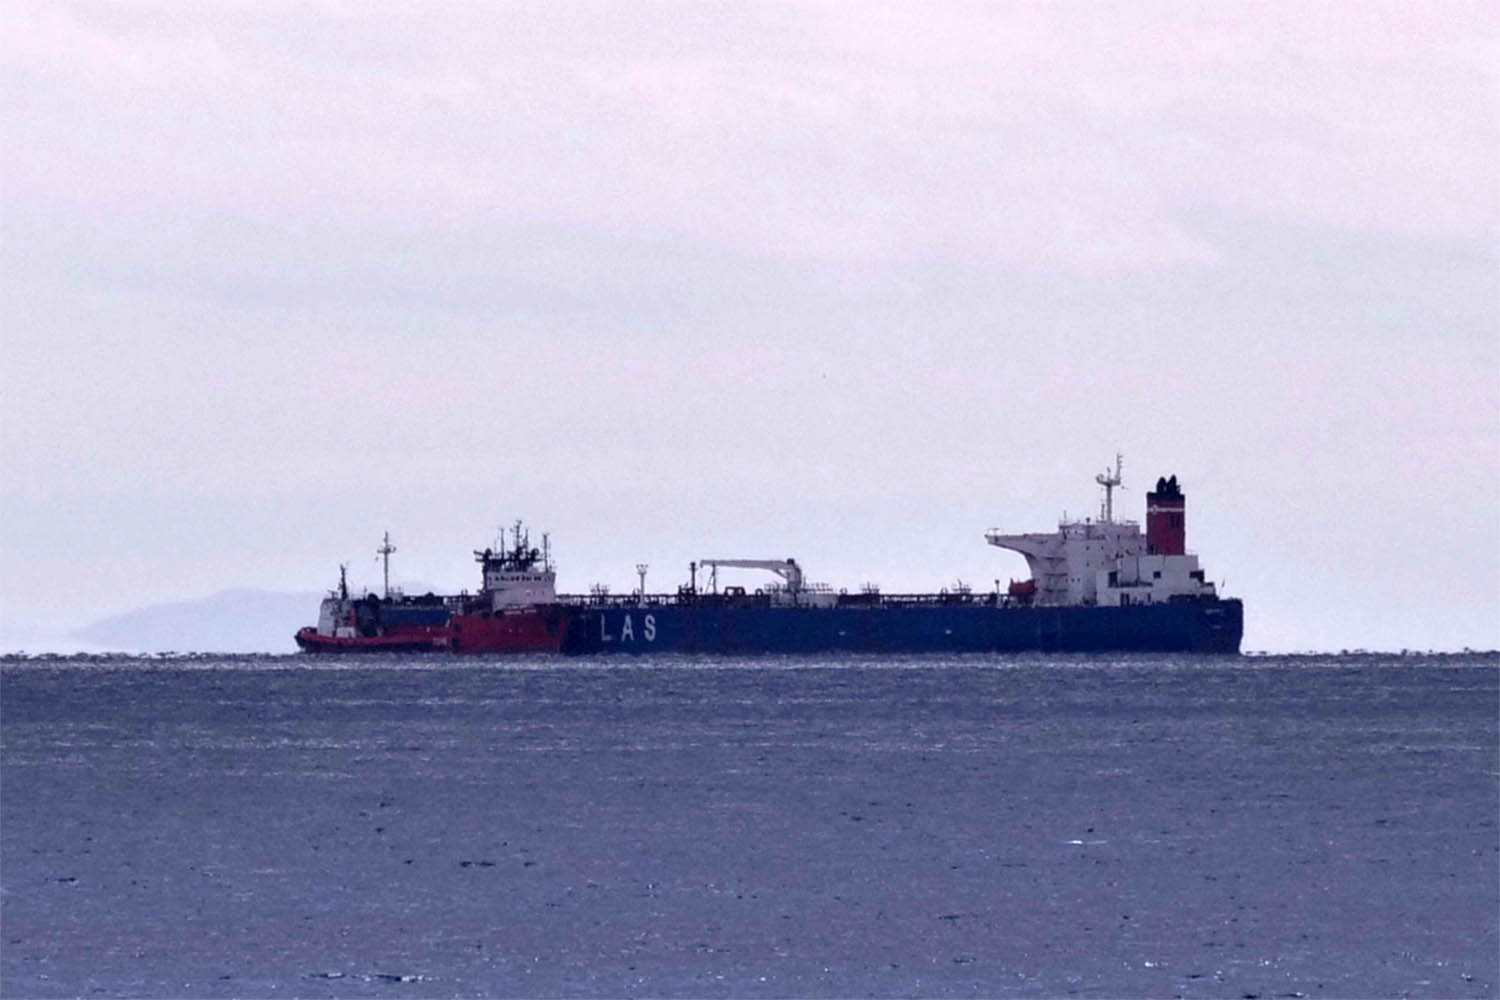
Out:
{"x": 519, "y": 576}
{"x": 1110, "y": 562}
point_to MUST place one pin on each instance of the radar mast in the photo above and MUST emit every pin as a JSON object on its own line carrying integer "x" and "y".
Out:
{"x": 1109, "y": 482}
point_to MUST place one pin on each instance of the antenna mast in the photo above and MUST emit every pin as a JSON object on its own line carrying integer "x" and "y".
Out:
{"x": 1109, "y": 482}
{"x": 385, "y": 550}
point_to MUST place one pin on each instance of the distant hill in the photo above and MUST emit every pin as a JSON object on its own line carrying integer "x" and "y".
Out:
{"x": 231, "y": 621}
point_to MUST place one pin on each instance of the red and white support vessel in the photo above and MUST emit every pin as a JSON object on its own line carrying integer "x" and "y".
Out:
{"x": 515, "y": 610}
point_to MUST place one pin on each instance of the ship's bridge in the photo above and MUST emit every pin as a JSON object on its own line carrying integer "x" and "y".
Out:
{"x": 1066, "y": 563}
{"x": 517, "y": 576}
{"x": 1112, "y": 562}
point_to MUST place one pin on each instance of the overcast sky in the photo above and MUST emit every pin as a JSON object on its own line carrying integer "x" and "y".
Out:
{"x": 850, "y": 282}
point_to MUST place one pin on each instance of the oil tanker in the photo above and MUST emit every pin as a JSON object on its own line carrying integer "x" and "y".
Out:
{"x": 1096, "y": 585}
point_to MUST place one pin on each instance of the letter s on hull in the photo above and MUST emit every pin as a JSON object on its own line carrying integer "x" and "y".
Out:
{"x": 650, "y": 628}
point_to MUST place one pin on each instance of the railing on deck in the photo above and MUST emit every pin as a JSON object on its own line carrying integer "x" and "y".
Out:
{"x": 766, "y": 600}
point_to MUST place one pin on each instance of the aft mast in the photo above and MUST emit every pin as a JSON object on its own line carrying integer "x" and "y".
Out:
{"x": 1109, "y": 482}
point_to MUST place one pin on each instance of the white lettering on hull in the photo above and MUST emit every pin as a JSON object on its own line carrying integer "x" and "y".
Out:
{"x": 627, "y": 629}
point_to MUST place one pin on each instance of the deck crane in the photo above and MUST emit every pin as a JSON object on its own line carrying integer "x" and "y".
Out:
{"x": 787, "y": 569}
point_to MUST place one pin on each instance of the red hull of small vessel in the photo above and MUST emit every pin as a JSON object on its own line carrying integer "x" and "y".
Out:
{"x": 532, "y": 630}
{"x": 423, "y": 640}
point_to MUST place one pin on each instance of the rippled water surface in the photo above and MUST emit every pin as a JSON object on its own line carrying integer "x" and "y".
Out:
{"x": 978, "y": 826}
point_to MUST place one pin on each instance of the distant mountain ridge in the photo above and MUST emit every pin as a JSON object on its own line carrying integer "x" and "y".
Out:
{"x": 240, "y": 620}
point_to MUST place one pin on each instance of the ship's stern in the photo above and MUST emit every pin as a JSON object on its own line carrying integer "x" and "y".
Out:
{"x": 1219, "y": 626}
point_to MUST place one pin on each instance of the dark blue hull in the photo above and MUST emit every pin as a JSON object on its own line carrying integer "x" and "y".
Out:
{"x": 723, "y": 627}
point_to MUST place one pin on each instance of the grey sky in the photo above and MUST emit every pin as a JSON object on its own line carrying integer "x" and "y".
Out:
{"x": 849, "y": 282}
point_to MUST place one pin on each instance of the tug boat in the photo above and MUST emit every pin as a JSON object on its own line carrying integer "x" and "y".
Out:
{"x": 514, "y": 611}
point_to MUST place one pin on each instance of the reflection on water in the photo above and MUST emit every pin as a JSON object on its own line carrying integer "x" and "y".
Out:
{"x": 977, "y": 825}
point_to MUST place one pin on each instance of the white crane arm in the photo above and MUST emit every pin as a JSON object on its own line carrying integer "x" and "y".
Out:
{"x": 787, "y": 569}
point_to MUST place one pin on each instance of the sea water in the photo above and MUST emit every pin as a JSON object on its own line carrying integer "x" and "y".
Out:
{"x": 896, "y": 826}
